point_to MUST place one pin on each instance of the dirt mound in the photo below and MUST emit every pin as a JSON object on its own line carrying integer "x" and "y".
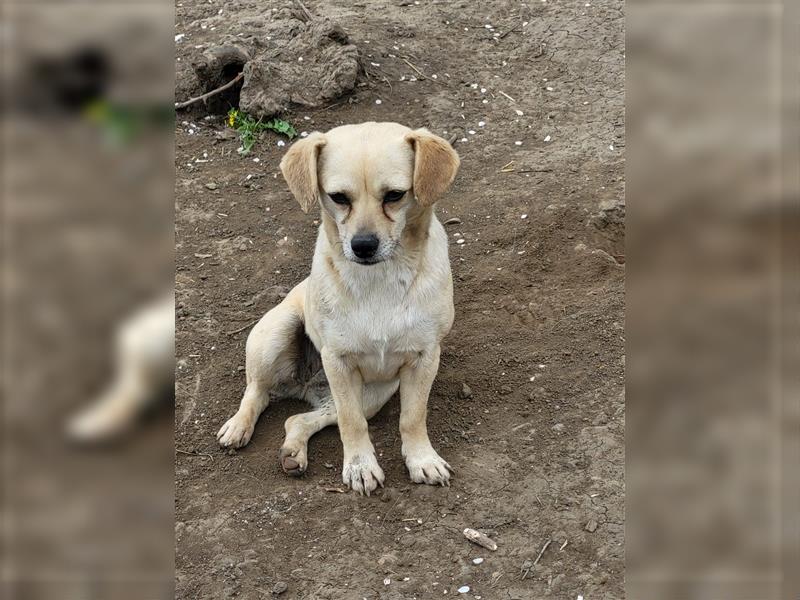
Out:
{"x": 285, "y": 61}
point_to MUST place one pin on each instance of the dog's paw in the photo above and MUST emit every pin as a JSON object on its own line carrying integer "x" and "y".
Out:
{"x": 294, "y": 461}
{"x": 236, "y": 432}
{"x": 104, "y": 421}
{"x": 426, "y": 466}
{"x": 362, "y": 473}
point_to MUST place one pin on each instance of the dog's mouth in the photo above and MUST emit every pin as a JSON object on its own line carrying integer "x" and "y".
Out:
{"x": 368, "y": 261}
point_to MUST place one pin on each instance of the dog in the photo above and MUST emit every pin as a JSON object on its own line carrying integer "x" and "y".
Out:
{"x": 144, "y": 364}
{"x": 371, "y": 316}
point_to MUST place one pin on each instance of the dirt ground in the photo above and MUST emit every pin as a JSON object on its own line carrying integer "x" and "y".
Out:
{"x": 537, "y": 446}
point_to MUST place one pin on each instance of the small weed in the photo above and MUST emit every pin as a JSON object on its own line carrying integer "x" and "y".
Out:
{"x": 249, "y": 129}
{"x": 123, "y": 123}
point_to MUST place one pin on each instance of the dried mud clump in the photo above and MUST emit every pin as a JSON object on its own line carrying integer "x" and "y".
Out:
{"x": 315, "y": 67}
{"x": 303, "y": 64}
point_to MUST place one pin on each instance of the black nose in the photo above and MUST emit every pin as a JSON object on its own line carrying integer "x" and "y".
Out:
{"x": 364, "y": 245}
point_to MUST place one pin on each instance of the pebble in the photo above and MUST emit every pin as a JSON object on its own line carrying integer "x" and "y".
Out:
{"x": 518, "y": 143}
{"x": 460, "y": 241}
{"x": 558, "y": 427}
{"x": 591, "y": 526}
{"x": 453, "y": 221}
{"x": 477, "y": 561}
{"x": 463, "y": 589}
{"x": 466, "y": 391}
{"x": 211, "y": 186}
{"x": 279, "y": 588}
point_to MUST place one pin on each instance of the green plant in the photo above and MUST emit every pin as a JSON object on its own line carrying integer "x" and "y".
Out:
{"x": 249, "y": 128}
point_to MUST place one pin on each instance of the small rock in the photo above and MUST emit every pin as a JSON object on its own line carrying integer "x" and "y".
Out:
{"x": 558, "y": 427}
{"x": 477, "y": 561}
{"x": 388, "y": 495}
{"x": 463, "y": 589}
{"x": 240, "y": 368}
{"x": 466, "y": 392}
{"x": 211, "y": 186}
{"x": 591, "y": 526}
{"x": 279, "y": 588}
{"x": 453, "y": 221}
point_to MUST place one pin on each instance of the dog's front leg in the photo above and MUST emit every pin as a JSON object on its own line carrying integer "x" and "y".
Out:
{"x": 416, "y": 378}
{"x": 360, "y": 470}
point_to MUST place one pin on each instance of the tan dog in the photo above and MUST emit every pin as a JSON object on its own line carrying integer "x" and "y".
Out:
{"x": 375, "y": 308}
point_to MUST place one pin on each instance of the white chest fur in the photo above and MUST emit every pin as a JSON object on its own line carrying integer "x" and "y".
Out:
{"x": 380, "y": 315}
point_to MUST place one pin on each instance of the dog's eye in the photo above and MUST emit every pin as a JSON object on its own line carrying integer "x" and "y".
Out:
{"x": 339, "y": 198}
{"x": 393, "y": 196}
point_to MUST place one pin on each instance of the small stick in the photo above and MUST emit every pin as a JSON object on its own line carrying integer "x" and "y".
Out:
{"x": 206, "y": 96}
{"x": 564, "y": 545}
{"x": 507, "y": 168}
{"x": 235, "y": 331}
{"x": 507, "y": 96}
{"x": 420, "y": 73}
{"x": 541, "y": 552}
{"x": 305, "y": 10}
{"x": 507, "y": 32}
{"x": 193, "y": 453}
{"x": 476, "y": 537}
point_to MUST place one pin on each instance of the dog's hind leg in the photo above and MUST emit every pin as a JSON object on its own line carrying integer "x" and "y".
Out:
{"x": 293, "y": 454}
{"x": 272, "y": 351}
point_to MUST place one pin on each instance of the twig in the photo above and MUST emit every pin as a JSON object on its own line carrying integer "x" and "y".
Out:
{"x": 194, "y": 453}
{"x": 507, "y": 168}
{"x": 541, "y": 552}
{"x": 420, "y": 73}
{"x": 305, "y": 10}
{"x": 507, "y": 96}
{"x": 235, "y": 331}
{"x": 507, "y": 32}
{"x": 534, "y": 171}
{"x": 207, "y": 95}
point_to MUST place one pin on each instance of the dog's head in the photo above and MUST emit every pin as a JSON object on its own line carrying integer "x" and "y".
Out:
{"x": 372, "y": 180}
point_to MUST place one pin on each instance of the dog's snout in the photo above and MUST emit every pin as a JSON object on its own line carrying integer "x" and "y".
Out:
{"x": 364, "y": 245}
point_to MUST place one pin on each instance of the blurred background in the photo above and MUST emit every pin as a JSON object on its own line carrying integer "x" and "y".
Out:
{"x": 713, "y": 232}
{"x": 87, "y": 241}
{"x": 712, "y": 303}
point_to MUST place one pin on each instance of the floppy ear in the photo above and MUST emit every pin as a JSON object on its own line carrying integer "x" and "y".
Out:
{"x": 299, "y": 168}
{"x": 435, "y": 165}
